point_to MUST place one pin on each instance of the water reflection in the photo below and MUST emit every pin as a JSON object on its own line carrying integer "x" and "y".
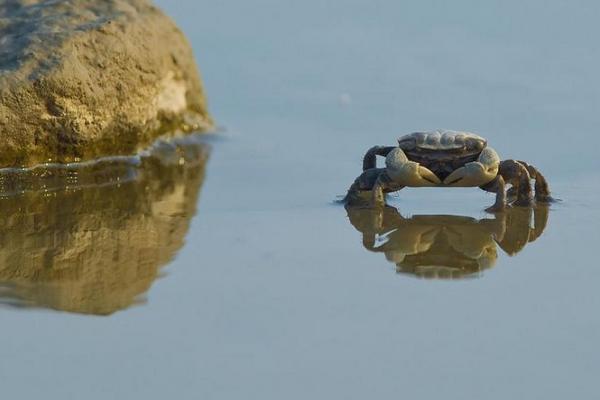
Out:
{"x": 446, "y": 246}
{"x": 92, "y": 239}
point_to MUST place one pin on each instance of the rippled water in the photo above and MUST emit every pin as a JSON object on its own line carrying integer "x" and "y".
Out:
{"x": 270, "y": 289}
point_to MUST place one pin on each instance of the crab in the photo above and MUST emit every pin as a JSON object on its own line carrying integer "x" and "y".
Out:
{"x": 445, "y": 158}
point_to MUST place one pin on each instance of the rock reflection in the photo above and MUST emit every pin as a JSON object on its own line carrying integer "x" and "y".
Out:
{"x": 446, "y": 246}
{"x": 91, "y": 239}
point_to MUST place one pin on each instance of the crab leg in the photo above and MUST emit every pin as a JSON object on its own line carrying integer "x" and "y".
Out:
{"x": 516, "y": 174}
{"x": 542, "y": 190}
{"x": 496, "y": 186}
{"x": 364, "y": 181}
{"x": 370, "y": 158}
{"x": 383, "y": 184}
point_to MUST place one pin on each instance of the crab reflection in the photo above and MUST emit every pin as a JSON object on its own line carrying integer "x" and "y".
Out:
{"x": 92, "y": 239}
{"x": 446, "y": 246}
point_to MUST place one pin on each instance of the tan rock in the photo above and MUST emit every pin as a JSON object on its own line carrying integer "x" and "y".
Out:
{"x": 81, "y": 79}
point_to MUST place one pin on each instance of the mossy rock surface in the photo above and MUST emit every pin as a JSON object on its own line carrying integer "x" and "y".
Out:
{"x": 82, "y": 79}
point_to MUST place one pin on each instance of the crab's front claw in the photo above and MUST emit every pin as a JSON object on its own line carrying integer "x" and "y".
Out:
{"x": 476, "y": 173}
{"x": 412, "y": 174}
{"x": 469, "y": 175}
{"x": 428, "y": 176}
{"x": 408, "y": 173}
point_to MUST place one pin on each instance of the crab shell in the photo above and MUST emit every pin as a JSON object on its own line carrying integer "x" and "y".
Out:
{"x": 442, "y": 158}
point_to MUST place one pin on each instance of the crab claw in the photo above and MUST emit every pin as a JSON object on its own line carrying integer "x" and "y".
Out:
{"x": 428, "y": 176}
{"x": 408, "y": 173}
{"x": 476, "y": 173}
{"x": 469, "y": 175}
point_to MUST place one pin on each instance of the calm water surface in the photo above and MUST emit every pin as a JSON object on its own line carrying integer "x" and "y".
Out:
{"x": 278, "y": 292}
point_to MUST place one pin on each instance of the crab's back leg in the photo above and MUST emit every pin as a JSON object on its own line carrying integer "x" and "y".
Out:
{"x": 517, "y": 174}
{"x": 383, "y": 184}
{"x": 365, "y": 181}
{"x": 542, "y": 190}
{"x": 370, "y": 158}
{"x": 497, "y": 186}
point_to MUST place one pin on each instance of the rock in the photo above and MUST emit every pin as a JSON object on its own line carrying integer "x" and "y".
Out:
{"x": 81, "y": 79}
{"x": 95, "y": 242}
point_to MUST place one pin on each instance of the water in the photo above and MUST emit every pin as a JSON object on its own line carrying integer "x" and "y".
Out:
{"x": 277, "y": 292}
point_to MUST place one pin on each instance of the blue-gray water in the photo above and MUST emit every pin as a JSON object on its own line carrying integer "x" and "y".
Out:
{"x": 274, "y": 296}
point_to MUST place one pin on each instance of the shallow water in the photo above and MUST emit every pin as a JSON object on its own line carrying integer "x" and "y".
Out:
{"x": 278, "y": 292}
